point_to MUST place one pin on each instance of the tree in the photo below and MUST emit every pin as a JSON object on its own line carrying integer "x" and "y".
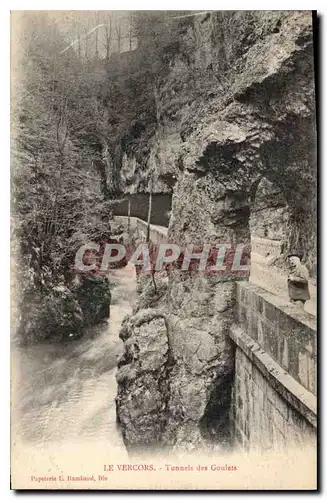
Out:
{"x": 57, "y": 202}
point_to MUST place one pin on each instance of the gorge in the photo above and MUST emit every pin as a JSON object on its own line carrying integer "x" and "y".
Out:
{"x": 213, "y": 118}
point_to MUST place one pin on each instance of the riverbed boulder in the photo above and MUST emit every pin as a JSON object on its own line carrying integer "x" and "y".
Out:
{"x": 93, "y": 295}
{"x": 53, "y": 316}
{"x": 142, "y": 379}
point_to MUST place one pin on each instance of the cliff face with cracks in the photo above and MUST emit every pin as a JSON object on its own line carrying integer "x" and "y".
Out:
{"x": 237, "y": 106}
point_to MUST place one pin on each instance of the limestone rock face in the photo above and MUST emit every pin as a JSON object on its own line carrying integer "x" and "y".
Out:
{"x": 237, "y": 106}
{"x": 142, "y": 378}
{"x": 174, "y": 375}
{"x": 269, "y": 216}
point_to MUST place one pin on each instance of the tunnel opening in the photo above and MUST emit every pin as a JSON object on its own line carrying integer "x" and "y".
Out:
{"x": 139, "y": 207}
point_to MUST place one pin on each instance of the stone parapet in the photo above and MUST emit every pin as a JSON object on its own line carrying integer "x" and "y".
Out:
{"x": 287, "y": 334}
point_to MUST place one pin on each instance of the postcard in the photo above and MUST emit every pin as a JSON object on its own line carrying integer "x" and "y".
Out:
{"x": 163, "y": 250}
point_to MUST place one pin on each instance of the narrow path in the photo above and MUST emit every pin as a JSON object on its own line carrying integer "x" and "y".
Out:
{"x": 270, "y": 278}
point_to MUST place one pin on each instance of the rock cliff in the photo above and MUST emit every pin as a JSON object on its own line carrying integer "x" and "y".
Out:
{"x": 236, "y": 106}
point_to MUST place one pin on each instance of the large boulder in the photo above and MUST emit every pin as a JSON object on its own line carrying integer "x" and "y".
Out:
{"x": 54, "y": 316}
{"x": 93, "y": 295}
{"x": 142, "y": 378}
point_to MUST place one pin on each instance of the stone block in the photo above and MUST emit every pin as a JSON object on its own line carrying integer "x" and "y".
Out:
{"x": 284, "y": 353}
{"x": 240, "y": 313}
{"x": 266, "y": 333}
{"x": 255, "y": 375}
{"x": 245, "y": 295}
{"x": 238, "y": 383}
{"x": 295, "y": 419}
{"x": 269, "y": 409}
{"x": 281, "y": 406}
{"x": 303, "y": 368}
{"x": 311, "y": 347}
{"x": 293, "y": 358}
{"x": 246, "y": 362}
{"x": 279, "y": 421}
{"x": 261, "y": 399}
{"x": 260, "y": 331}
{"x": 304, "y": 335}
{"x": 253, "y": 327}
{"x": 272, "y": 344}
{"x": 312, "y": 375}
{"x": 237, "y": 362}
{"x": 286, "y": 323}
{"x": 260, "y": 305}
{"x": 268, "y": 431}
{"x": 271, "y": 313}
{"x": 271, "y": 394}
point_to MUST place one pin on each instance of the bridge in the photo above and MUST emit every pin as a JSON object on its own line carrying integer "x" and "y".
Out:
{"x": 274, "y": 394}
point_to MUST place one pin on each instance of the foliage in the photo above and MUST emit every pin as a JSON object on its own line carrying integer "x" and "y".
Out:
{"x": 94, "y": 298}
{"x": 59, "y": 200}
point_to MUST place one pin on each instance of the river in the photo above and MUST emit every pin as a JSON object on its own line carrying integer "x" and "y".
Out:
{"x": 64, "y": 393}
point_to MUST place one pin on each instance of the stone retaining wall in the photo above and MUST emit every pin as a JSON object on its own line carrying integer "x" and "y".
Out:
{"x": 288, "y": 335}
{"x": 262, "y": 418}
{"x": 274, "y": 400}
{"x": 158, "y": 234}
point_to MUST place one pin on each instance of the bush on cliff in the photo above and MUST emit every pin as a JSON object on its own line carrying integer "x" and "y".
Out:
{"x": 62, "y": 313}
{"x": 55, "y": 316}
{"x": 93, "y": 296}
